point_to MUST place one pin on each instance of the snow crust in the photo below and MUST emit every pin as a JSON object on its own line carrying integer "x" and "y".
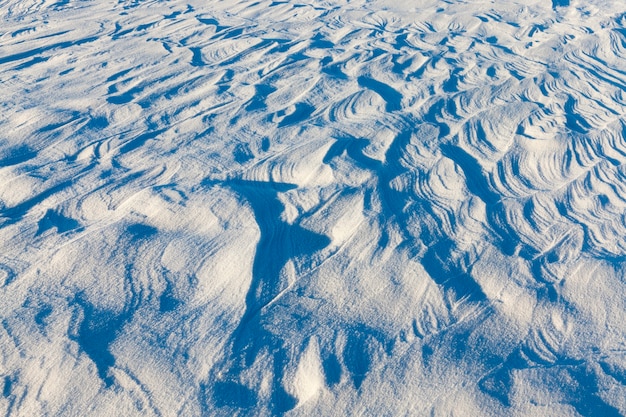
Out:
{"x": 335, "y": 207}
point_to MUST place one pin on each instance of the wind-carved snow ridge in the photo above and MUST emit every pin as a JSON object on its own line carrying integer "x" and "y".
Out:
{"x": 323, "y": 208}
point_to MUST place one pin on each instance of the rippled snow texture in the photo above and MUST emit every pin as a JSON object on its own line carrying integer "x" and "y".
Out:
{"x": 332, "y": 207}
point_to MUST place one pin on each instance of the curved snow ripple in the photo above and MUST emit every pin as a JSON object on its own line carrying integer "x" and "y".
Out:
{"x": 267, "y": 208}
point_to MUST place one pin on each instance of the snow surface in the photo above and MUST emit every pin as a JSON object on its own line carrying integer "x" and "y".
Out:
{"x": 316, "y": 208}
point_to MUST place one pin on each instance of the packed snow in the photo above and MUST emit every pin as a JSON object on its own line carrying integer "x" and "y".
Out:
{"x": 314, "y": 208}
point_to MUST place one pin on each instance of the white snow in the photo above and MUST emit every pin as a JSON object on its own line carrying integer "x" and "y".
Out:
{"x": 337, "y": 207}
